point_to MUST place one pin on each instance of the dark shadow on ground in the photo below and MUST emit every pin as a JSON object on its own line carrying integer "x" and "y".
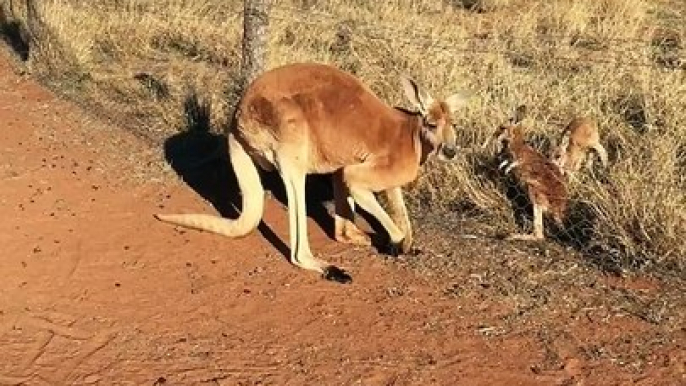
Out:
{"x": 487, "y": 167}
{"x": 11, "y": 33}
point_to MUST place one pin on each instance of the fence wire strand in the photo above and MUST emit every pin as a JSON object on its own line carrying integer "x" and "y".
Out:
{"x": 475, "y": 44}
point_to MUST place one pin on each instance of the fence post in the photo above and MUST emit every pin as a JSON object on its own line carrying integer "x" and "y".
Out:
{"x": 255, "y": 39}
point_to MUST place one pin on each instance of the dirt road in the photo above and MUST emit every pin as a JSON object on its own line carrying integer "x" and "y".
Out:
{"x": 95, "y": 291}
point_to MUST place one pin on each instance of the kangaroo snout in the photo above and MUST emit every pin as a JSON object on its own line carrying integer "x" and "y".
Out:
{"x": 448, "y": 151}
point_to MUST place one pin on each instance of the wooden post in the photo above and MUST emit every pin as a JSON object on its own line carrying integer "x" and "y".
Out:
{"x": 255, "y": 39}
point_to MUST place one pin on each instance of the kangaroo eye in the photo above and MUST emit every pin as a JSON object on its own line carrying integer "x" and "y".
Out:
{"x": 431, "y": 125}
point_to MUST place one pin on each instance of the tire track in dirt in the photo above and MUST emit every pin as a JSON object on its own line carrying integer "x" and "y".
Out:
{"x": 67, "y": 373}
{"x": 41, "y": 332}
{"x": 42, "y": 339}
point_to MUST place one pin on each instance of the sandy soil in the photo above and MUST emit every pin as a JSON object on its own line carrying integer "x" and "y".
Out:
{"x": 96, "y": 291}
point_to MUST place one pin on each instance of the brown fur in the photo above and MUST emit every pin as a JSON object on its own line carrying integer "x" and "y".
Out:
{"x": 578, "y": 137}
{"x": 543, "y": 180}
{"x": 308, "y": 118}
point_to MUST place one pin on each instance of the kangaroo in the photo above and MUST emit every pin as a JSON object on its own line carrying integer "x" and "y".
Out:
{"x": 543, "y": 180}
{"x": 578, "y": 137}
{"x": 309, "y": 118}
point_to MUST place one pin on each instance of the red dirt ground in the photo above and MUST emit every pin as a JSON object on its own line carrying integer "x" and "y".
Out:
{"x": 95, "y": 291}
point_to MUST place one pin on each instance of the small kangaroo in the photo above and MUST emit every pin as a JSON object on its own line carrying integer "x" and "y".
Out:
{"x": 577, "y": 139}
{"x": 543, "y": 180}
{"x": 308, "y": 118}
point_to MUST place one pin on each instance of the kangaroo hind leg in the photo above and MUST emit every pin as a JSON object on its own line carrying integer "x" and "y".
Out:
{"x": 301, "y": 255}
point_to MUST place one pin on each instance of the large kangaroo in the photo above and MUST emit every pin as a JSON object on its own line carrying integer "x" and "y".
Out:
{"x": 308, "y": 118}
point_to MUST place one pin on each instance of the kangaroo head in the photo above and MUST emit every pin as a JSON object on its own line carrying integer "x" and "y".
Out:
{"x": 559, "y": 155}
{"x": 437, "y": 117}
{"x": 510, "y": 131}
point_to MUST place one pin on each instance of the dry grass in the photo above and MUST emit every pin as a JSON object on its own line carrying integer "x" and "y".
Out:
{"x": 621, "y": 61}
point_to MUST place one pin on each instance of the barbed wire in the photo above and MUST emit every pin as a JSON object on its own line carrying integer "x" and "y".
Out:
{"x": 339, "y": 17}
{"x": 623, "y": 50}
{"x": 387, "y": 35}
{"x": 333, "y": 18}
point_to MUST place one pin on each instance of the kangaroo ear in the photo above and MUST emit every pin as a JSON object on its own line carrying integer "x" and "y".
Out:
{"x": 506, "y": 133}
{"x": 519, "y": 114}
{"x": 420, "y": 99}
{"x": 497, "y": 136}
{"x": 564, "y": 143}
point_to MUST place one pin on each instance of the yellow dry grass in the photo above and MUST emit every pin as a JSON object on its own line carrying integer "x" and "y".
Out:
{"x": 620, "y": 61}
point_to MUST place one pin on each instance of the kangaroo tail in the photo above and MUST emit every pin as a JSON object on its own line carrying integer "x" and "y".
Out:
{"x": 252, "y": 193}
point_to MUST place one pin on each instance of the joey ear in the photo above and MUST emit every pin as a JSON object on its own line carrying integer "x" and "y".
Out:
{"x": 504, "y": 134}
{"x": 564, "y": 143}
{"x": 519, "y": 114}
{"x": 458, "y": 100}
{"x": 496, "y": 136}
{"x": 419, "y": 98}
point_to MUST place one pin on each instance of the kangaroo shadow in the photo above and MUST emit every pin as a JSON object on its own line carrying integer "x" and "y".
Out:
{"x": 201, "y": 158}
{"x": 487, "y": 166}
{"x": 579, "y": 233}
{"x": 578, "y": 227}
{"x": 12, "y": 33}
